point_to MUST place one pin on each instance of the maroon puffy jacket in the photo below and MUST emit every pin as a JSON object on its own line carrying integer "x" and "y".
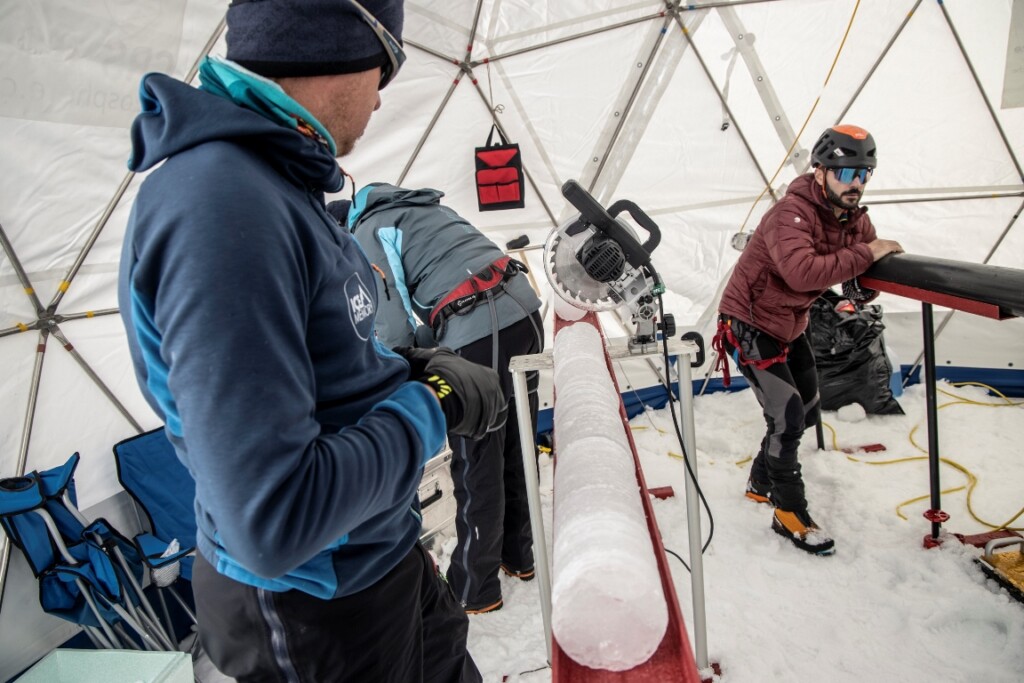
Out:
{"x": 799, "y": 250}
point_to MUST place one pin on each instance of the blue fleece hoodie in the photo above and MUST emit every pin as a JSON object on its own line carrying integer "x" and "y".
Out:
{"x": 250, "y": 318}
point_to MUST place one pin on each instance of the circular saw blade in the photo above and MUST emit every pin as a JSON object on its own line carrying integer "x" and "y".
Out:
{"x": 567, "y": 275}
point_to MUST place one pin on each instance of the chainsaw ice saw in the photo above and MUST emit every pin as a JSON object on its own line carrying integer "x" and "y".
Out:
{"x": 594, "y": 261}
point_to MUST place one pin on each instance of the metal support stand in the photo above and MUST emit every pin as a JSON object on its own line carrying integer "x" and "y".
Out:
{"x": 617, "y": 349}
{"x": 685, "y": 379}
{"x": 519, "y": 366}
{"x": 935, "y": 515}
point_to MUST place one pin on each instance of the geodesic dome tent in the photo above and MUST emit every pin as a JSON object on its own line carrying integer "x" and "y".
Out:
{"x": 700, "y": 114}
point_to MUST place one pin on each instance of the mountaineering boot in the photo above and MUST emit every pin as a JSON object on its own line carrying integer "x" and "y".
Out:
{"x": 759, "y": 493}
{"x": 522, "y": 574}
{"x": 799, "y": 528}
{"x": 493, "y": 607}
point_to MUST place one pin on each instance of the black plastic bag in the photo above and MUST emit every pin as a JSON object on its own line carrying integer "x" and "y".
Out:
{"x": 849, "y": 351}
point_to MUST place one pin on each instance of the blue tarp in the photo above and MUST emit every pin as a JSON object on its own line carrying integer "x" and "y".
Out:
{"x": 1009, "y": 381}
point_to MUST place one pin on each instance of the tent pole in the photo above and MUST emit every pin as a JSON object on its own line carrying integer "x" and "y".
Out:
{"x": 93, "y": 236}
{"x": 473, "y": 30}
{"x": 69, "y": 347}
{"x": 121, "y": 189}
{"x": 622, "y": 24}
{"x": 628, "y": 108}
{"x": 26, "y": 435}
{"x": 566, "y": 39}
{"x": 725, "y": 105}
{"x": 956, "y": 198}
{"x": 762, "y": 84}
{"x": 87, "y": 314}
{"x": 210, "y": 42}
{"x": 26, "y": 284}
{"x": 874, "y": 67}
{"x": 429, "y": 129}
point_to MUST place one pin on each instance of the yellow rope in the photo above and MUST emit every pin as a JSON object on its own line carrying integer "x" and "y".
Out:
{"x": 961, "y": 399}
{"x": 972, "y": 480}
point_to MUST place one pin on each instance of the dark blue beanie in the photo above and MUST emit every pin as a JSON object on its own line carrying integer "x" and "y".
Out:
{"x": 282, "y": 38}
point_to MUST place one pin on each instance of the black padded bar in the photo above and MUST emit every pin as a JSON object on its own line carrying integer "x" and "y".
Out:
{"x": 992, "y": 285}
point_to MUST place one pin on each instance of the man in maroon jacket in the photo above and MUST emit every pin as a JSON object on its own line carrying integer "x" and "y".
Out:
{"x": 815, "y": 237}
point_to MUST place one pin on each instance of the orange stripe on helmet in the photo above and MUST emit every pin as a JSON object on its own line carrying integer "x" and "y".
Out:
{"x": 855, "y": 132}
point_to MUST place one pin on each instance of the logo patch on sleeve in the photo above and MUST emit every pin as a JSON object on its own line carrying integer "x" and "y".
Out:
{"x": 360, "y": 306}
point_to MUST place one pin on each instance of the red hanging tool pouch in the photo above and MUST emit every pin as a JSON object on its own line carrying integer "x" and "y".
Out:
{"x": 499, "y": 174}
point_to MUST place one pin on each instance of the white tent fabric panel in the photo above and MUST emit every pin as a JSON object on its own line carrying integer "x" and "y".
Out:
{"x": 1010, "y": 250}
{"x": 952, "y": 142}
{"x": 613, "y": 93}
{"x": 704, "y": 235}
{"x": 517, "y": 25}
{"x": 57, "y": 181}
{"x": 930, "y": 229}
{"x": 576, "y": 84}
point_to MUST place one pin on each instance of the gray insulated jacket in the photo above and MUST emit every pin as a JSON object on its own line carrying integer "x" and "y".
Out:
{"x": 424, "y": 251}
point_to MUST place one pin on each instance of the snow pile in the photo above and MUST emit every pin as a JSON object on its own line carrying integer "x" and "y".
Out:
{"x": 851, "y": 413}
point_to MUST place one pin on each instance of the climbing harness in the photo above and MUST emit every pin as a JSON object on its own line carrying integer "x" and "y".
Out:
{"x": 488, "y": 283}
{"x": 725, "y": 333}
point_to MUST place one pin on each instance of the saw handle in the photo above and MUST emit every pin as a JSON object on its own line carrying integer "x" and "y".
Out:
{"x": 604, "y": 221}
{"x": 642, "y": 219}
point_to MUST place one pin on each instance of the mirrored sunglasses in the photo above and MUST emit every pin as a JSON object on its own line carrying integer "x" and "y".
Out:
{"x": 846, "y": 175}
{"x": 393, "y": 49}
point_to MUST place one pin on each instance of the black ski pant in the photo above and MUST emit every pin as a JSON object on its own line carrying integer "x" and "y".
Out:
{"x": 405, "y": 628}
{"x": 492, "y": 518}
{"x": 788, "y": 394}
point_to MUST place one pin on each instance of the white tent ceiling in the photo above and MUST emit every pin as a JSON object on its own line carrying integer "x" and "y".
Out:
{"x": 700, "y": 115}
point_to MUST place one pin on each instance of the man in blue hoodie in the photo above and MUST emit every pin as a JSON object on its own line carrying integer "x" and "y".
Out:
{"x": 305, "y": 436}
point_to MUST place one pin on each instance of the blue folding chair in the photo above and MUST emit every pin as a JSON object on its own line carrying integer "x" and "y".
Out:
{"x": 88, "y": 573}
{"x": 163, "y": 490}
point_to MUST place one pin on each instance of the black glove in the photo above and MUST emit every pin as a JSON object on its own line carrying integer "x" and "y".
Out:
{"x": 470, "y": 394}
{"x": 853, "y": 291}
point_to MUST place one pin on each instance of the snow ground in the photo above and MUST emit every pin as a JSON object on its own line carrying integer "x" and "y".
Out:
{"x": 883, "y": 608}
